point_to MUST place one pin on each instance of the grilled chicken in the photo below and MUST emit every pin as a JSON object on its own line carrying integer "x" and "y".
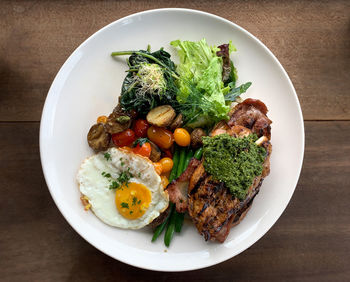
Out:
{"x": 251, "y": 114}
{"x": 212, "y": 207}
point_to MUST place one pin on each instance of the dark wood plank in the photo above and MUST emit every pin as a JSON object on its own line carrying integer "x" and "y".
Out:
{"x": 310, "y": 38}
{"x": 310, "y": 242}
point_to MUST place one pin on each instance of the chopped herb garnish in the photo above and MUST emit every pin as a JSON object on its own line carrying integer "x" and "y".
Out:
{"x": 123, "y": 178}
{"x": 134, "y": 200}
{"x": 139, "y": 202}
{"x": 107, "y": 156}
{"x": 114, "y": 185}
{"x": 139, "y": 175}
{"x": 124, "y": 205}
{"x": 131, "y": 212}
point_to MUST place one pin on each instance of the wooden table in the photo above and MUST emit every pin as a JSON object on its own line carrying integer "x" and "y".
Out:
{"x": 311, "y": 240}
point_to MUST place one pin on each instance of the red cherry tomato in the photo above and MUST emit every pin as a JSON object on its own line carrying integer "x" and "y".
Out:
{"x": 143, "y": 150}
{"x": 140, "y": 128}
{"x": 124, "y": 138}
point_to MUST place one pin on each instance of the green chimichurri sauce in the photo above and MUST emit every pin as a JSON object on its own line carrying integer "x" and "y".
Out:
{"x": 234, "y": 161}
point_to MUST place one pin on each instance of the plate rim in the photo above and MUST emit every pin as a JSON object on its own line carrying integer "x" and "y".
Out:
{"x": 52, "y": 95}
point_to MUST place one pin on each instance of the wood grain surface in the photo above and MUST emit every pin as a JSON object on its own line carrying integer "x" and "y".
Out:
{"x": 311, "y": 240}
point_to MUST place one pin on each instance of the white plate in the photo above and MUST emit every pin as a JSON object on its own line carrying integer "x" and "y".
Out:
{"x": 88, "y": 85}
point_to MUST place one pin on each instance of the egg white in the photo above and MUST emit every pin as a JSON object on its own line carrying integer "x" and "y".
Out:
{"x": 95, "y": 186}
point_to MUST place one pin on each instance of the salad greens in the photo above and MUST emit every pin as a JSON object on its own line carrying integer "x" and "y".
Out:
{"x": 236, "y": 92}
{"x": 201, "y": 86}
{"x": 207, "y": 75}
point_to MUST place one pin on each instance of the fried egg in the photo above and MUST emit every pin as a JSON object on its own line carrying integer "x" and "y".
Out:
{"x": 130, "y": 205}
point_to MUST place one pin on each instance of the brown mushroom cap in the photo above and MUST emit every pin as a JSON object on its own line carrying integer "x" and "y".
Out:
{"x": 98, "y": 138}
{"x": 196, "y": 137}
{"x": 177, "y": 122}
{"x": 118, "y": 121}
{"x": 155, "y": 152}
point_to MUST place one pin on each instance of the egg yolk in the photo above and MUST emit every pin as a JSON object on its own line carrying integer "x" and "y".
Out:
{"x": 132, "y": 200}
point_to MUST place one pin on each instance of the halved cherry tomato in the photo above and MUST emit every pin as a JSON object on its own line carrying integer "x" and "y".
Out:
{"x": 182, "y": 137}
{"x": 161, "y": 136}
{"x": 102, "y": 119}
{"x": 158, "y": 167}
{"x": 124, "y": 138}
{"x": 167, "y": 164}
{"x": 140, "y": 127}
{"x": 143, "y": 150}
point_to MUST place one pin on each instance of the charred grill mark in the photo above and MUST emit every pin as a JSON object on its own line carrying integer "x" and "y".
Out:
{"x": 251, "y": 197}
{"x": 236, "y": 218}
{"x": 224, "y": 223}
{"x": 218, "y": 187}
{"x": 246, "y": 203}
{"x": 206, "y": 204}
{"x": 206, "y": 235}
{"x": 198, "y": 184}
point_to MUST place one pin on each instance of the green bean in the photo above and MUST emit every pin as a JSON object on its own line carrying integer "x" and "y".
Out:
{"x": 173, "y": 173}
{"x": 161, "y": 227}
{"x": 181, "y": 162}
{"x": 169, "y": 233}
{"x": 198, "y": 154}
{"x": 188, "y": 159}
{"x": 179, "y": 219}
{"x": 175, "y": 220}
{"x": 158, "y": 230}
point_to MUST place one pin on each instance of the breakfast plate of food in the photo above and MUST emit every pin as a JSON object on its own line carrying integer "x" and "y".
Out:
{"x": 166, "y": 139}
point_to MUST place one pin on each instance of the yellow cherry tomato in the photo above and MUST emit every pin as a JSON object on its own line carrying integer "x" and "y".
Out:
{"x": 158, "y": 167}
{"x": 182, "y": 137}
{"x": 167, "y": 164}
{"x": 102, "y": 119}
